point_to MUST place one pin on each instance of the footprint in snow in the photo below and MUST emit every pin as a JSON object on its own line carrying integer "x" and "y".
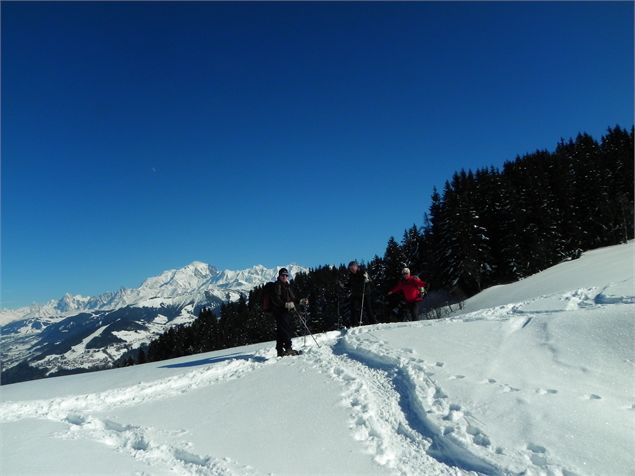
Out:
{"x": 457, "y": 377}
{"x": 592, "y": 396}
{"x": 536, "y": 448}
{"x": 538, "y": 454}
{"x": 546, "y": 391}
{"x": 439, "y": 394}
{"x": 440, "y": 364}
{"x": 478, "y": 437}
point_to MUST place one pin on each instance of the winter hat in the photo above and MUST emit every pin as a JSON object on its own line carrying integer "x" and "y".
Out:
{"x": 353, "y": 263}
{"x": 283, "y": 271}
{"x": 405, "y": 271}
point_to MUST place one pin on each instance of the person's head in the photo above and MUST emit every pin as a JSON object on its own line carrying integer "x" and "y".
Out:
{"x": 283, "y": 275}
{"x": 405, "y": 273}
{"x": 353, "y": 267}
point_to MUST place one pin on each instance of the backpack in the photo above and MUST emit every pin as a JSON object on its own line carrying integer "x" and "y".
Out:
{"x": 267, "y": 292}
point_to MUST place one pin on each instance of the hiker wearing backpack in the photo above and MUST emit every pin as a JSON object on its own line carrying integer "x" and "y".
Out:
{"x": 282, "y": 305}
{"x": 412, "y": 289}
{"x": 360, "y": 296}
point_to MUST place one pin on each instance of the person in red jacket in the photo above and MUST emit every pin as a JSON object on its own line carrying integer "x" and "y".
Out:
{"x": 412, "y": 288}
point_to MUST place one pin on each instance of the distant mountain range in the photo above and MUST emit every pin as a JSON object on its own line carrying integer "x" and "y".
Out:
{"x": 79, "y": 333}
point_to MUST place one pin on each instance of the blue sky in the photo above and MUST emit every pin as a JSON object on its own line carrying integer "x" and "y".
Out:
{"x": 138, "y": 137}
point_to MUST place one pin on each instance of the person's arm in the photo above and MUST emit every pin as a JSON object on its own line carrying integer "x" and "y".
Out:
{"x": 396, "y": 288}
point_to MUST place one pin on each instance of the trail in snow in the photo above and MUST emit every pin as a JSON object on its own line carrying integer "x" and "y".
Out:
{"x": 386, "y": 417}
{"x": 143, "y": 444}
{"x": 151, "y": 447}
{"x": 455, "y": 437}
{"x": 59, "y": 408}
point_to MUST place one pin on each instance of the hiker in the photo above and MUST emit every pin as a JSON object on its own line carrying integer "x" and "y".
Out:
{"x": 360, "y": 295}
{"x": 282, "y": 305}
{"x": 411, "y": 288}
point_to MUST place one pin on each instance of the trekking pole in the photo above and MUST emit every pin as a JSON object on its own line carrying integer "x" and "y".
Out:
{"x": 361, "y": 311}
{"x": 306, "y": 326}
{"x": 304, "y": 336}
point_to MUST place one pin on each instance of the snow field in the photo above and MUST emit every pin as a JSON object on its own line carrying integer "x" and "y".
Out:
{"x": 523, "y": 382}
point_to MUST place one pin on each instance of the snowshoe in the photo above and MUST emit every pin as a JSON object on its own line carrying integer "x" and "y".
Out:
{"x": 292, "y": 352}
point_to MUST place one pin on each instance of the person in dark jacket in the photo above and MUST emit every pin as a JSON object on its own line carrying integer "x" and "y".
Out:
{"x": 411, "y": 287}
{"x": 283, "y": 304}
{"x": 359, "y": 289}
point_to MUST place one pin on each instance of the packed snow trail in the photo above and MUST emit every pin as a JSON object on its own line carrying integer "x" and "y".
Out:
{"x": 142, "y": 444}
{"x": 60, "y": 408}
{"x": 387, "y": 418}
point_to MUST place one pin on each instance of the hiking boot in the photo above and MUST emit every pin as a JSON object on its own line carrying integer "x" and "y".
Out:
{"x": 292, "y": 352}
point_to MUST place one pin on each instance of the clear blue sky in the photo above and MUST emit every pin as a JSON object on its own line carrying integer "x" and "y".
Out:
{"x": 138, "y": 137}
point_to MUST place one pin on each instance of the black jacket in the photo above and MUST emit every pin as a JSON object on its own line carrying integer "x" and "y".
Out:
{"x": 356, "y": 283}
{"x": 282, "y": 294}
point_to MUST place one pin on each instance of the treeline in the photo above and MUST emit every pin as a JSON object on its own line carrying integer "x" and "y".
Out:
{"x": 486, "y": 227}
{"x": 496, "y": 226}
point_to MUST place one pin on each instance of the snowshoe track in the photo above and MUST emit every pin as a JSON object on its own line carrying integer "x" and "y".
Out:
{"x": 144, "y": 444}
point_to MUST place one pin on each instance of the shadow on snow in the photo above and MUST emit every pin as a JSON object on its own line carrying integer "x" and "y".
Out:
{"x": 215, "y": 360}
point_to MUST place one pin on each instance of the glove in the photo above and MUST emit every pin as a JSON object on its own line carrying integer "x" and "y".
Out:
{"x": 423, "y": 291}
{"x": 366, "y": 278}
{"x": 304, "y": 302}
{"x": 290, "y": 306}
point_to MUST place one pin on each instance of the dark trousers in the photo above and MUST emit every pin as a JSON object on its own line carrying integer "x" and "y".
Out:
{"x": 412, "y": 311}
{"x": 284, "y": 331}
{"x": 356, "y": 309}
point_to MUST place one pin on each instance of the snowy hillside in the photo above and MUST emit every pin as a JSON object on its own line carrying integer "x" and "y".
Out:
{"x": 534, "y": 378}
{"x": 78, "y": 332}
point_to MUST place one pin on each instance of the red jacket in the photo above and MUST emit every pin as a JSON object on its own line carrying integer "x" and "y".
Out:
{"x": 410, "y": 287}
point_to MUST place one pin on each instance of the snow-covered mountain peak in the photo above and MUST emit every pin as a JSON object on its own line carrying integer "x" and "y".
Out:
{"x": 199, "y": 268}
{"x": 189, "y": 277}
{"x": 70, "y": 302}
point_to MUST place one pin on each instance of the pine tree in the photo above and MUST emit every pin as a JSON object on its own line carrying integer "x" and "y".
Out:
{"x": 394, "y": 261}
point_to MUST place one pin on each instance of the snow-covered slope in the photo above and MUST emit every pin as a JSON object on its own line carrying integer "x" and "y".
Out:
{"x": 534, "y": 378}
{"x": 78, "y": 332}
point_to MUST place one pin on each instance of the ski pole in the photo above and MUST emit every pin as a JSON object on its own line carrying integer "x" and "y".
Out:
{"x": 339, "y": 315}
{"x": 361, "y": 311}
{"x": 306, "y": 326}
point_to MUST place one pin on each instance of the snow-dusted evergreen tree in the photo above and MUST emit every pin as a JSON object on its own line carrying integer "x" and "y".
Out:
{"x": 617, "y": 159}
{"x": 411, "y": 248}
{"x": 394, "y": 261}
{"x": 465, "y": 241}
